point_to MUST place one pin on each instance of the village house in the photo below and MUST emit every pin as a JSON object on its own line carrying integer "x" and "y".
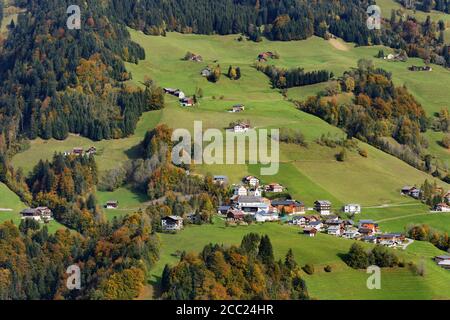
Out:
{"x": 368, "y": 238}
{"x": 299, "y": 221}
{"x": 352, "y": 208}
{"x": 289, "y": 206}
{"x": 251, "y": 181}
{"x": 91, "y": 150}
{"x": 442, "y": 207}
{"x": 255, "y": 192}
{"x": 443, "y": 261}
{"x": 267, "y": 216}
{"x": 235, "y": 215}
{"x": 351, "y": 233}
{"x": 252, "y": 204}
{"x": 274, "y": 187}
{"x": 238, "y": 108}
{"x": 323, "y": 207}
{"x": 172, "y": 223}
{"x": 223, "y": 210}
{"x": 335, "y": 222}
{"x": 334, "y": 230}
{"x": 318, "y": 225}
{"x": 240, "y": 191}
{"x": 310, "y": 232}
{"x": 112, "y": 204}
{"x": 38, "y": 214}
{"x": 220, "y": 179}
{"x": 365, "y": 225}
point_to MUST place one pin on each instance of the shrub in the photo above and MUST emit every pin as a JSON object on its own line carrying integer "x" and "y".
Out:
{"x": 328, "y": 268}
{"x": 363, "y": 153}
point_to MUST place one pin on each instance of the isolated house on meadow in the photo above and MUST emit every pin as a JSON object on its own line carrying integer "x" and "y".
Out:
{"x": 323, "y": 207}
{"x": 112, "y": 204}
{"x": 172, "y": 223}
{"x": 187, "y": 102}
{"x": 241, "y": 127}
{"x": 38, "y": 214}
{"x": 352, "y": 208}
{"x": 238, "y": 108}
{"x": 442, "y": 207}
{"x": 411, "y": 191}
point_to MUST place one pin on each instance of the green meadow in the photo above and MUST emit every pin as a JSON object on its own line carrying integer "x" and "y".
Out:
{"x": 342, "y": 283}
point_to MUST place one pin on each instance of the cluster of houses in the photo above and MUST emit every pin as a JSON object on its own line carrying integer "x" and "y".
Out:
{"x": 364, "y": 230}
{"x": 420, "y": 68}
{"x": 443, "y": 261}
{"x": 184, "y": 101}
{"x": 39, "y": 214}
{"x": 416, "y": 193}
{"x": 78, "y": 151}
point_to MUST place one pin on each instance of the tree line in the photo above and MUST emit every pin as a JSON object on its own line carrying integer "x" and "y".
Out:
{"x": 295, "y": 77}
{"x": 244, "y": 272}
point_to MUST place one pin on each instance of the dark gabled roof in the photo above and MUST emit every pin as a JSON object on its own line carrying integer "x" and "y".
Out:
{"x": 172, "y": 218}
{"x": 248, "y": 199}
{"x": 287, "y": 203}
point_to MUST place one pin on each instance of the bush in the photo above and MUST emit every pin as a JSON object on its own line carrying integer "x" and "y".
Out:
{"x": 328, "y": 268}
{"x": 342, "y": 156}
{"x": 363, "y": 153}
{"x": 309, "y": 269}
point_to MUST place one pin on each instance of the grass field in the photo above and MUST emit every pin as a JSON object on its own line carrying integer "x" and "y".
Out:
{"x": 342, "y": 283}
{"x": 9, "y": 200}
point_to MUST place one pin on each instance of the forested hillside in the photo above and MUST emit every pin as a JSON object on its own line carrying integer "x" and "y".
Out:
{"x": 55, "y": 81}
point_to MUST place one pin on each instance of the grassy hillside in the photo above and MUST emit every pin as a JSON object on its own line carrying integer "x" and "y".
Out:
{"x": 342, "y": 283}
{"x": 9, "y": 200}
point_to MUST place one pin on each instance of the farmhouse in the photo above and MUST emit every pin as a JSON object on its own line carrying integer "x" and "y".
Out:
{"x": 38, "y": 214}
{"x": 251, "y": 180}
{"x": 352, "y": 208}
{"x": 112, "y": 204}
{"x": 390, "y": 239}
{"x": 255, "y": 192}
{"x": 310, "y": 232}
{"x": 172, "y": 223}
{"x": 235, "y": 215}
{"x": 187, "y": 102}
{"x": 241, "y": 127}
{"x": 223, "y": 209}
{"x": 289, "y": 206}
{"x": 238, "y": 108}
{"x": 274, "y": 187}
{"x": 420, "y": 68}
{"x": 220, "y": 179}
{"x": 91, "y": 150}
{"x": 442, "y": 207}
{"x": 444, "y": 264}
{"x": 323, "y": 207}
{"x": 411, "y": 191}
{"x": 240, "y": 191}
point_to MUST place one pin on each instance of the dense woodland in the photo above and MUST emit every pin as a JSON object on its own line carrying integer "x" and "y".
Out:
{"x": 54, "y": 81}
{"x": 245, "y": 272}
{"x": 427, "y": 5}
{"x": 33, "y": 263}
